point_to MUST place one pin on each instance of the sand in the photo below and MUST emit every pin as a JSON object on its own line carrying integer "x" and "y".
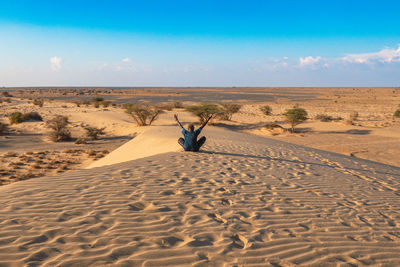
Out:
{"x": 243, "y": 201}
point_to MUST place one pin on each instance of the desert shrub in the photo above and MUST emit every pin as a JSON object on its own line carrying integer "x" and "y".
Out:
{"x": 324, "y": 118}
{"x": 32, "y": 116}
{"x": 142, "y": 114}
{"x": 93, "y": 132}
{"x": 97, "y": 99}
{"x": 105, "y": 103}
{"x": 16, "y": 117}
{"x": 266, "y": 110}
{"x": 3, "y": 128}
{"x": 397, "y": 113}
{"x": 59, "y": 125}
{"x": 178, "y": 104}
{"x": 6, "y": 94}
{"x": 227, "y": 110}
{"x": 38, "y": 102}
{"x": 295, "y": 116}
{"x": 204, "y": 110}
{"x": 354, "y": 116}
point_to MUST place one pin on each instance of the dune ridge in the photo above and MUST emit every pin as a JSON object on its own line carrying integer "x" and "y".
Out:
{"x": 243, "y": 201}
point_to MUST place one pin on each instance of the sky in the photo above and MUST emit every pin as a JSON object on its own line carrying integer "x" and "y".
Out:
{"x": 200, "y": 43}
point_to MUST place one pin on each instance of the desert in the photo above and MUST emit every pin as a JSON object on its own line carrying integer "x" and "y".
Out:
{"x": 255, "y": 195}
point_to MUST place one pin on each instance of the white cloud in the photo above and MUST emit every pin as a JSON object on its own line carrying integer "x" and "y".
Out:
{"x": 126, "y": 60}
{"x": 55, "y": 63}
{"x": 386, "y": 55}
{"x": 304, "y": 61}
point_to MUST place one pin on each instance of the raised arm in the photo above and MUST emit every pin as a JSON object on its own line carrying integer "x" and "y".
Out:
{"x": 205, "y": 123}
{"x": 176, "y": 118}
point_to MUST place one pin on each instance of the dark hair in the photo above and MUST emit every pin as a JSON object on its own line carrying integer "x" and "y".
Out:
{"x": 191, "y": 128}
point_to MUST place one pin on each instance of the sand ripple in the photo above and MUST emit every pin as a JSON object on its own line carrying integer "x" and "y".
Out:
{"x": 244, "y": 201}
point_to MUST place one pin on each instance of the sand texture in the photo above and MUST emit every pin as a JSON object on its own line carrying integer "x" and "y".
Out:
{"x": 243, "y": 201}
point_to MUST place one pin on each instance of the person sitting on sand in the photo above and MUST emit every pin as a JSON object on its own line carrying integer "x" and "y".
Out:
{"x": 190, "y": 142}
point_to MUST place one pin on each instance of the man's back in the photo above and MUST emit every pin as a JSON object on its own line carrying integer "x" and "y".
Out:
{"x": 190, "y": 143}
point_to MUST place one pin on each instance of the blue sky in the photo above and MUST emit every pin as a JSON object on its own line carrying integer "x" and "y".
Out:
{"x": 199, "y": 43}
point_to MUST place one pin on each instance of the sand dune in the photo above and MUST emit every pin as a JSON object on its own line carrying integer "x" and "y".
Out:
{"x": 243, "y": 201}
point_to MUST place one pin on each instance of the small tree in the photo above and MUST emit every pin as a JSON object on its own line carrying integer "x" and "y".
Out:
{"x": 354, "y": 116}
{"x": 93, "y": 132}
{"x": 397, "y": 113}
{"x": 266, "y": 110}
{"x": 227, "y": 110}
{"x": 142, "y": 114}
{"x": 204, "y": 110}
{"x": 59, "y": 126}
{"x": 16, "y": 117}
{"x": 295, "y": 116}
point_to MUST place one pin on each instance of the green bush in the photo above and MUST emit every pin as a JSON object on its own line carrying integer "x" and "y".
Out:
{"x": 38, "y": 102}
{"x": 142, "y": 114}
{"x": 93, "y": 132}
{"x": 266, "y": 110}
{"x": 324, "y": 118}
{"x": 227, "y": 110}
{"x": 397, "y": 113}
{"x": 295, "y": 116}
{"x": 204, "y": 110}
{"x": 97, "y": 99}
{"x": 59, "y": 125}
{"x": 16, "y": 117}
{"x": 3, "y": 128}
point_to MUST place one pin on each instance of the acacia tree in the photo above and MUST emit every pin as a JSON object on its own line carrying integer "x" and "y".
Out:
{"x": 142, "y": 114}
{"x": 295, "y": 116}
{"x": 228, "y": 109}
{"x": 204, "y": 110}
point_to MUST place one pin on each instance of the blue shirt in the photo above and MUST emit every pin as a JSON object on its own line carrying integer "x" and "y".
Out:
{"x": 190, "y": 143}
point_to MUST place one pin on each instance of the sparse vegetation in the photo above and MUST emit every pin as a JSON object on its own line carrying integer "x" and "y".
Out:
{"x": 32, "y": 116}
{"x": 295, "y": 116}
{"x": 266, "y": 110}
{"x": 324, "y": 118}
{"x": 16, "y": 117}
{"x": 227, "y": 110}
{"x": 397, "y": 114}
{"x": 93, "y": 132}
{"x": 59, "y": 126}
{"x": 143, "y": 114}
{"x": 204, "y": 110}
{"x": 38, "y": 102}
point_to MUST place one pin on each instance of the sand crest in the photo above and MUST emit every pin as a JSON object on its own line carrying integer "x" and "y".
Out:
{"x": 243, "y": 201}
